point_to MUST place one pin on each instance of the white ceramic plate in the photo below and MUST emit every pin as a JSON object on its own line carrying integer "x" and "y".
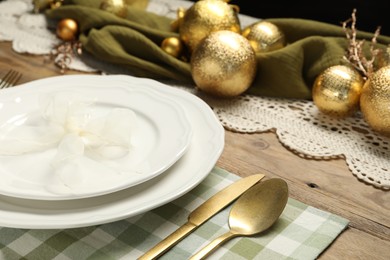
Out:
{"x": 162, "y": 136}
{"x": 205, "y": 149}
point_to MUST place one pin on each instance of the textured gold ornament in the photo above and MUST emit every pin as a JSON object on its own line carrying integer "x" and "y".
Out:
{"x": 67, "y": 29}
{"x": 172, "y": 46}
{"x": 336, "y": 91}
{"x": 224, "y": 64}
{"x": 375, "y": 101}
{"x": 264, "y": 36}
{"x": 117, "y": 7}
{"x": 204, "y": 17}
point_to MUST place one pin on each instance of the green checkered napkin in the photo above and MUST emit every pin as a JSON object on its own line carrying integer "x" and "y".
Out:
{"x": 302, "y": 232}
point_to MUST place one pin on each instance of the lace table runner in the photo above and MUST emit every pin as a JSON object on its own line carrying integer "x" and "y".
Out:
{"x": 297, "y": 123}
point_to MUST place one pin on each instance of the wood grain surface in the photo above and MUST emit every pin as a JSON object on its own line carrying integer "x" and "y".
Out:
{"x": 324, "y": 184}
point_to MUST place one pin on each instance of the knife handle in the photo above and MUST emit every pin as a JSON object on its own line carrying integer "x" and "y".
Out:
{"x": 208, "y": 249}
{"x": 168, "y": 242}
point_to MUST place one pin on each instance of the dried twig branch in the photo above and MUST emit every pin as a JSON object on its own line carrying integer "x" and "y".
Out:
{"x": 355, "y": 55}
{"x": 63, "y": 54}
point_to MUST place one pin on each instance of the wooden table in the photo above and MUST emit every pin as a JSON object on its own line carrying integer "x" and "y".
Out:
{"x": 324, "y": 184}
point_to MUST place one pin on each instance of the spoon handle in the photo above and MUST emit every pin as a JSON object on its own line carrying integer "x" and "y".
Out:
{"x": 205, "y": 251}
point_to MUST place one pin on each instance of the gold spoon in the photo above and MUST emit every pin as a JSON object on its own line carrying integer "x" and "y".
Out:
{"x": 255, "y": 211}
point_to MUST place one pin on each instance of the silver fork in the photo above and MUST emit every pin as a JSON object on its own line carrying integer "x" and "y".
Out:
{"x": 10, "y": 79}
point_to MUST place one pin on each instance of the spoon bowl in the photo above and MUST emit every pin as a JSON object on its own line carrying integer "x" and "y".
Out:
{"x": 254, "y": 212}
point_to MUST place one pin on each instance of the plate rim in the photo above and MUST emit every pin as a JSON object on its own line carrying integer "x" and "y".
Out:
{"x": 215, "y": 129}
{"x": 176, "y": 149}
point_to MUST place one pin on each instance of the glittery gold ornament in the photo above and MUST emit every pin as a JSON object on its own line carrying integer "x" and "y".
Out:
{"x": 264, "y": 36}
{"x": 204, "y": 17}
{"x": 117, "y": 7}
{"x": 336, "y": 91}
{"x": 67, "y": 29}
{"x": 375, "y": 101}
{"x": 224, "y": 64}
{"x": 172, "y": 46}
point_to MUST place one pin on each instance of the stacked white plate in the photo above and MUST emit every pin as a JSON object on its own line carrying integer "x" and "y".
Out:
{"x": 177, "y": 143}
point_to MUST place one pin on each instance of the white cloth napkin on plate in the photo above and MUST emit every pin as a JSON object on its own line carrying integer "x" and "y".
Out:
{"x": 84, "y": 137}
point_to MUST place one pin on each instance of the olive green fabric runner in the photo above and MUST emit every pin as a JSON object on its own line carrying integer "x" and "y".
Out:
{"x": 134, "y": 44}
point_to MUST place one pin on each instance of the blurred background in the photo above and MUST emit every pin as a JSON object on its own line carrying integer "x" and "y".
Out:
{"x": 370, "y": 13}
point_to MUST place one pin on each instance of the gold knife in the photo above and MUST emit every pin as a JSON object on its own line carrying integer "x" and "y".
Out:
{"x": 202, "y": 213}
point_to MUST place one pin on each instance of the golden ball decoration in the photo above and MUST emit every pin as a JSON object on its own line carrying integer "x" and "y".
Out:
{"x": 172, "y": 46}
{"x": 204, "y": 17}
{"x": 67, "y": 29}
{"x": 264, "y": 36}
{"x": 117, "y": 7}
{"x": 375, "y": 101}
{"x": 336, "y": 91}
{"x": 224, "y": 64}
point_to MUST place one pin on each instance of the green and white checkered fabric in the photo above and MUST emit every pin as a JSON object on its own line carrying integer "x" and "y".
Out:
{"x": 302, "y": 232}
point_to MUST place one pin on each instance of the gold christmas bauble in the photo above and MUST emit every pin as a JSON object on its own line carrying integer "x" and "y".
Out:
{"x": 67, "y": 29}
{"x": 264, "y": 36}
{"x": 375, "y": 101}
{"x": 117, "y": 7}
{"x": 204, "y": 17}
{"x": 224, "y": 64}
{"x": 172, "y": 46}
{"x": 336, "y": 91}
